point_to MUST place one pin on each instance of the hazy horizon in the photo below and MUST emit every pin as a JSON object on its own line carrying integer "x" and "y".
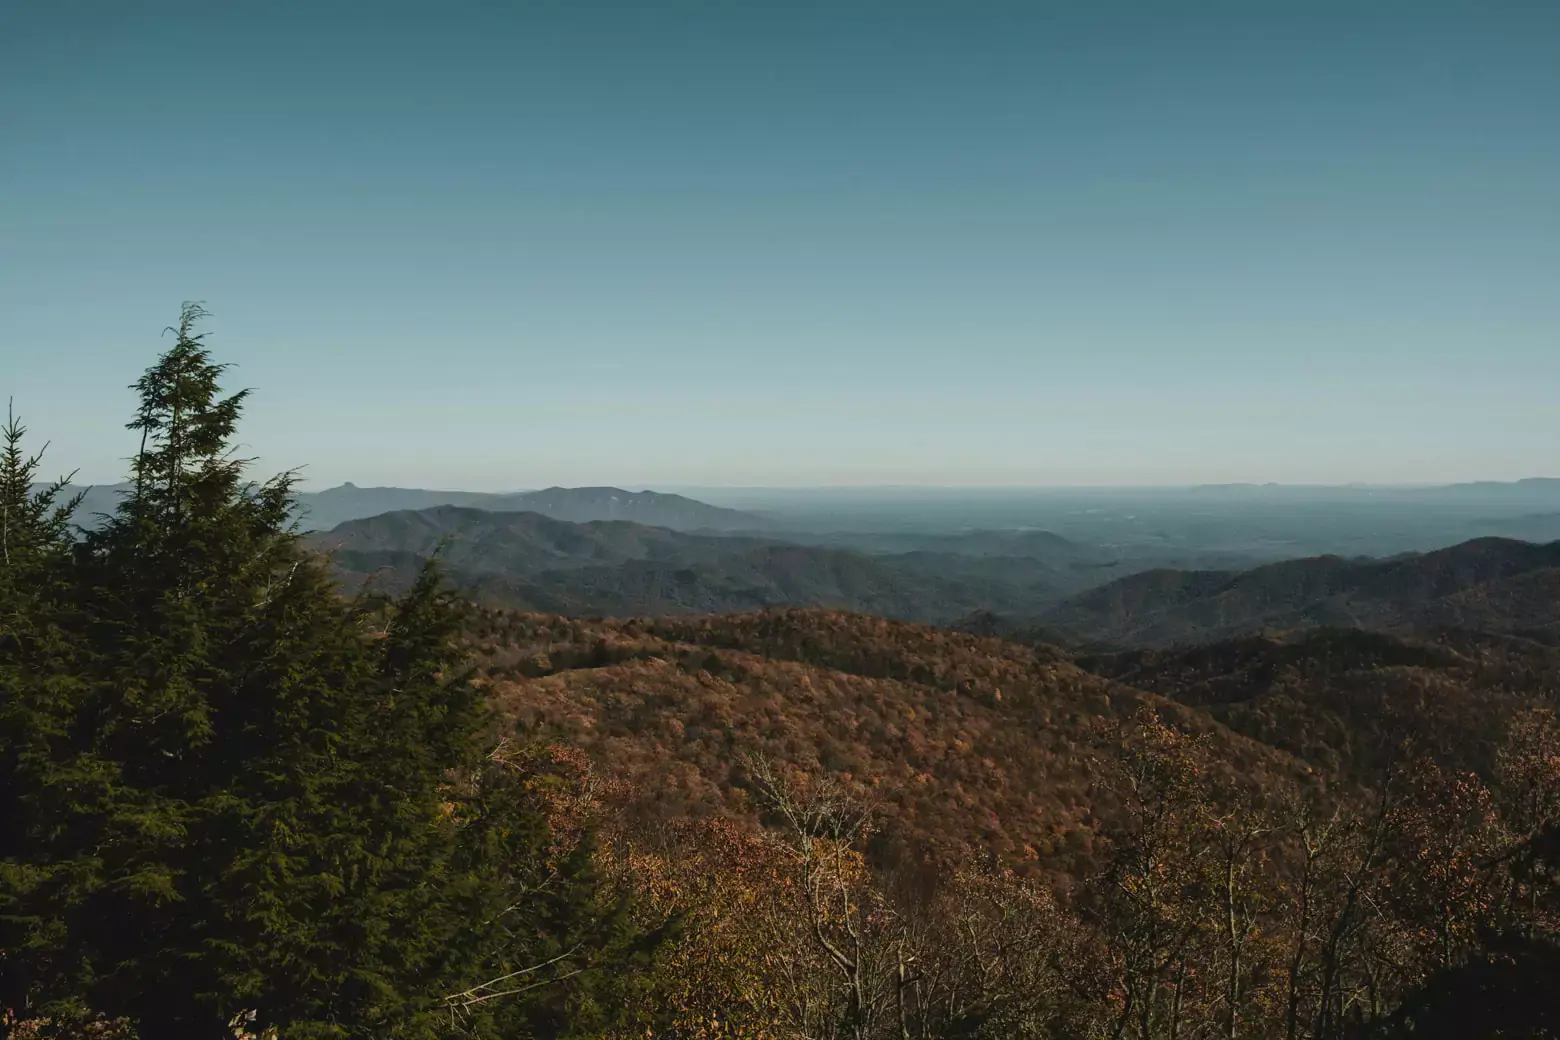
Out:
{"x": 858, "y": 245}
{"x": 313, "y": 487}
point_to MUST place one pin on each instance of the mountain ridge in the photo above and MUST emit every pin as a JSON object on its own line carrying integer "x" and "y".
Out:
{"x": 1474, "y": 584}
{"x": 326, "y": 509}
{"x": 621, "y": 568}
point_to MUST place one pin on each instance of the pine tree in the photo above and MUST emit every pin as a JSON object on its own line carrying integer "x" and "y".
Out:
{"x": 35, "y": 693}
{"x": 277, "y": 812}
{"x": 556, "y": 953}
{"x": 170, "y": 589}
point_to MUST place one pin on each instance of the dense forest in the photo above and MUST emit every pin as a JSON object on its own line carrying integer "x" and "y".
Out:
{"x": 243, "y": 801}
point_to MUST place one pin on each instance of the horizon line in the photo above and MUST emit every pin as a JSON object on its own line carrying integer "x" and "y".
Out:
{"x": 676, "y": 487}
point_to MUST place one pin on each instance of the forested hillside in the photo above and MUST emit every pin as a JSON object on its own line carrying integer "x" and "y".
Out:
{"x": 1318, "y": 824}
{"x": 1492, "y": 584}
{"x": 968, "y": 747}
{"x": 938, "y": 723}
{"x": 527, "y": 561}
{"x": 1054, "y": 589}
{"x": 530, "y": 562}
{"x": 241, "y": 803}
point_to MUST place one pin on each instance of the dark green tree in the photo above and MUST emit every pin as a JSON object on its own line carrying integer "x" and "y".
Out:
{"x": 291, "y": 819}
{"x": 35, "y": 692}
{"x": 546, "y": 918}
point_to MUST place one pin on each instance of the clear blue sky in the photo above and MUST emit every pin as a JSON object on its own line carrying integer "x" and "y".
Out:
{"x": 507, "y": 245}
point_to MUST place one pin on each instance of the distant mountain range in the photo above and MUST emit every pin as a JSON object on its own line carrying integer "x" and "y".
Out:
{"x": 322, "y": 510}
{"x": 618, "y": 568}
{"x": 1069, "y": 594}
{"x": 1066, "y": 593}
{"x": 611, "y": 552}
{"x": 1489, "y": 584}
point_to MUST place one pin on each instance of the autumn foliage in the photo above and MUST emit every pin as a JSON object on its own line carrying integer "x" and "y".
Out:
{"x": 862, "y": 830}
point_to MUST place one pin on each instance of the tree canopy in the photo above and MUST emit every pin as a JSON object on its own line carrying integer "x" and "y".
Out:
{"x": 244, "y": 799}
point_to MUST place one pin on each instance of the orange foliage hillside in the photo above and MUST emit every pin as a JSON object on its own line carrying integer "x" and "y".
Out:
{"x": 965, "y": 745}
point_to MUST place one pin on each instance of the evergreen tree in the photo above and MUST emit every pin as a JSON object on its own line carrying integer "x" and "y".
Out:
{"x": 268, "y": 809}
{"x": 543, "y": 918}
{"x": 35, "y": 691}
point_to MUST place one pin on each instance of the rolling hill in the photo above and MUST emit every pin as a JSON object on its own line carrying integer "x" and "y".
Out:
{"x": 1342, "y": 699}
{"x": 1491, "y": 584}
{"x": 975, "y": 744}
{"x": 966, "y": 745}
{"x": 526, "y": 560}
{"x": 618, "y": 568}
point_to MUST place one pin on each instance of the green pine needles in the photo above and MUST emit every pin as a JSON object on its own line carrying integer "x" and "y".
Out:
{"x": 245, "y": 804}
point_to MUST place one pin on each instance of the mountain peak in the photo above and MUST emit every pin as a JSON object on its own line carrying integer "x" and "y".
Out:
{"x": 326, "y": 509}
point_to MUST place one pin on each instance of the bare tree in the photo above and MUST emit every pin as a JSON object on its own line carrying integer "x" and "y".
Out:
{"x": 820, "y": 827}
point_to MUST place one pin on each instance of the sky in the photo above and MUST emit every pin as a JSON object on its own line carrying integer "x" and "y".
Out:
{"x": 497, "y": 246}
